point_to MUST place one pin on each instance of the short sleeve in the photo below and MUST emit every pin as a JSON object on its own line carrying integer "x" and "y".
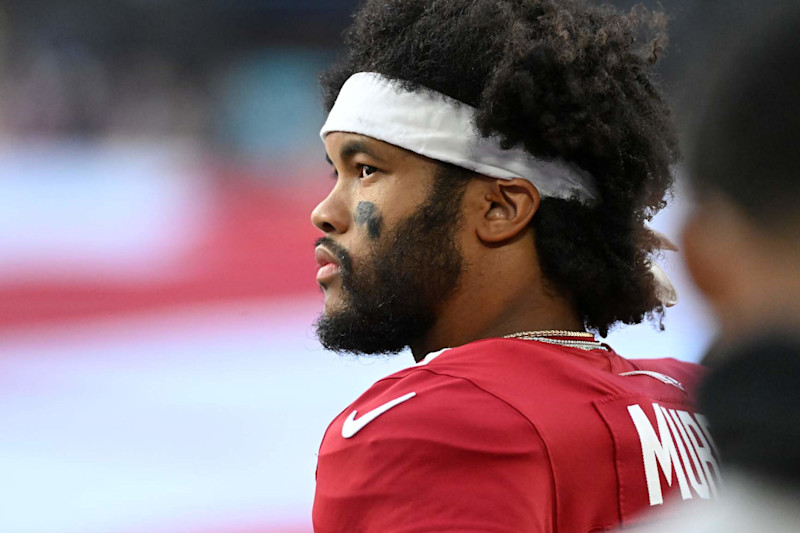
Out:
{"x": 452, "y": 458}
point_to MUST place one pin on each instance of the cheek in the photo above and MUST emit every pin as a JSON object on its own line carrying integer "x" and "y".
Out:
{"x": 368, "y": 215}
{"x": 707, "y": 259}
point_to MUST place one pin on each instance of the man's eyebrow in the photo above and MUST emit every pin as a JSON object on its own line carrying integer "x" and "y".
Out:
{"x": 356, "y": 146}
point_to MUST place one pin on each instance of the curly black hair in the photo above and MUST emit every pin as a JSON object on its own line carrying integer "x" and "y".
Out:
{"x": 561, "y": 78}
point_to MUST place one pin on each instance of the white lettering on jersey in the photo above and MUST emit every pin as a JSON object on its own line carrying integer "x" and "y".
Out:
{"x": 701, "y": 441}
{"x": 697, "y": 477}
{"x": 682, "y": 446}
{"x": 659, "y": 448}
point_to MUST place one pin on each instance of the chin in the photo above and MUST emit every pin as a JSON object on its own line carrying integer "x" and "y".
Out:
{"x": 333, "y": 304}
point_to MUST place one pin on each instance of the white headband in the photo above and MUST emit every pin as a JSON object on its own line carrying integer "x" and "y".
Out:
{"x": 437, "y": 126}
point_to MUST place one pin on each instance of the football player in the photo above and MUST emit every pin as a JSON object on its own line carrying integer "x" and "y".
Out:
{"x": 495, "y": 164}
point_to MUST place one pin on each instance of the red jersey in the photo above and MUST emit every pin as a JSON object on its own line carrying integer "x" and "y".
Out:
{"x": 508, "y": 435}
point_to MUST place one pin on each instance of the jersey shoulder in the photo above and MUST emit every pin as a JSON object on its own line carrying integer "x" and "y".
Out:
{"x": 413, "y": 453}
{"x": 688, "y": 374}
{"x": 422, "y": 404}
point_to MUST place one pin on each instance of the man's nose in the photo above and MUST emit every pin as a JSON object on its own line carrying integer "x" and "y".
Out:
{"x": 330, "y": 215}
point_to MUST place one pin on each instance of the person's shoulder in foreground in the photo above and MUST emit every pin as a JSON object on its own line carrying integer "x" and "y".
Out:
{"x": 514, "y": 435}
{"x": 495, "y": 164}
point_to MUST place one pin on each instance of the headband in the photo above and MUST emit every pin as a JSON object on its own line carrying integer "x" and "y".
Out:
{"x": 442, "y": 128}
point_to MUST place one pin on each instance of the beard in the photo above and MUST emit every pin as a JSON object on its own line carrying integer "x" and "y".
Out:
{"x": 391, "y": 299}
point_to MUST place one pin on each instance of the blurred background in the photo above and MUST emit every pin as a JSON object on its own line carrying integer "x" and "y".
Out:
{"x": 158, "y": 164}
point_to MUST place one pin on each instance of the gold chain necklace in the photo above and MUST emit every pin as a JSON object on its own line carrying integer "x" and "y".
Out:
{"x": 546, "y": 337}
{"x": 550, "y": 333}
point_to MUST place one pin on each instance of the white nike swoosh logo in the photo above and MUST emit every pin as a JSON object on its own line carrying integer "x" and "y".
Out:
{"x": 352, "y": 426}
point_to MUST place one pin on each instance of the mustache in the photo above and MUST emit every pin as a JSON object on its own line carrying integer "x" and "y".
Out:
{"x": 345, "y": 260}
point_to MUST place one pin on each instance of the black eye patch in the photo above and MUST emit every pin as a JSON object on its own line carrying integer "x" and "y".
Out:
{"x": 368, "y": 214}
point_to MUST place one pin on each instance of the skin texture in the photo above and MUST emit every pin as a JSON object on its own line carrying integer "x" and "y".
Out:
{"x": 395, "y": 197}
{"x": 367, "y": 214}
{"x": 492, "y": 236}
{"x": 392, "y": 293}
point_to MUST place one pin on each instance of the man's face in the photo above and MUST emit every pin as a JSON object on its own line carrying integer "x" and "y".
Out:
{"x": 746, "y": 271}
{"x": 389, "y": 256}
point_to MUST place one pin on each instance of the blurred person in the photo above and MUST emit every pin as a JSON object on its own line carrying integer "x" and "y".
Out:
{"x": 742, "y": 242}
{"x": 495, "y": 163}
{"x": 742, "y": 246}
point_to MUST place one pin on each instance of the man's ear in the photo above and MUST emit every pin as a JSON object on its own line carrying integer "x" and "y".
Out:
{"x": 506, "y": 207}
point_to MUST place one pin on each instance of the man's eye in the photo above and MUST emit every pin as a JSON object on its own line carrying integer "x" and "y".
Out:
{"x": 367, "y": 171}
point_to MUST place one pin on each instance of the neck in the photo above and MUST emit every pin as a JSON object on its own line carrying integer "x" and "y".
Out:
{"x": 481, "y": 309}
